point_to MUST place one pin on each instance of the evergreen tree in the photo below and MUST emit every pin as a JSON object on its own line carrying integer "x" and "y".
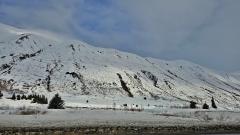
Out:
{"x": 30, "y": 97}
{"x": 42, "y": 99}
{"x": 13, "y": 96}
{"x": 193, "y": 104}
{"x": 1, "y": 94}
{"x": 34, "y": 100}
{"x": 36, "y": 97}
{"x": 56, "y": 102}
{"x": 205, "y": 106}
{"x": 213, "y": 103}
{"x": 23, "y": 97}
{"x": 45, "y": 101}
{"x": 18, "y": 97}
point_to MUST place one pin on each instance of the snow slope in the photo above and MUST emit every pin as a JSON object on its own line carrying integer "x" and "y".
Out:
{"x": 38, "y": 62}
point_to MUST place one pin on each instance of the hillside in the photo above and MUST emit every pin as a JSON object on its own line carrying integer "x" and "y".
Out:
{"x": 35, "y": 62}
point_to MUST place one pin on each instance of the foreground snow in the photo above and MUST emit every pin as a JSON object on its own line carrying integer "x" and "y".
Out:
{"x": 102, "y": 113}
{"x": 89, "y": 117}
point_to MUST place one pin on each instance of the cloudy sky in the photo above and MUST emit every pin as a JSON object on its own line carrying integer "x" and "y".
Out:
{"x": 205, "y": 32}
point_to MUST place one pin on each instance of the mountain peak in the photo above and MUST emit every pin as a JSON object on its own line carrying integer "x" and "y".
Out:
{"x": 34, "y": 62}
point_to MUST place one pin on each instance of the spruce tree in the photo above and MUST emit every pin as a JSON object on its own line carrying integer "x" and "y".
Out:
{"x": 213, "y": 103}
{"x": 1, "y": 94}
{"x": 34, "y": 100}
{"x": 18, "y": 97}
{"x": 45, "y": 101}
{"x": 13, "y": 96}
{"x": 193, "y": 104}
{"x": 23, "y": 97}
{"x": 56, "y": 102}
{"x": 205, "y": 106}
{"x": 30, "y": 97}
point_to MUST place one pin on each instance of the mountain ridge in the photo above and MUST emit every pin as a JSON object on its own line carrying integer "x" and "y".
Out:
{"x": 30, "y": 63}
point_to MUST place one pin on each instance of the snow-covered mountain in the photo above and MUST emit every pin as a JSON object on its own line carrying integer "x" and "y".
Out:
{"x": 38, "y": 62}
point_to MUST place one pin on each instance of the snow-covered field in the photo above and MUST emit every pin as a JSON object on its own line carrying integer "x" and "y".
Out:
{"x": 103, "y": 112}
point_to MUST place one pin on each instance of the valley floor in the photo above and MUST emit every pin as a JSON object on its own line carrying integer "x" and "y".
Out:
{"x": 87, "y": 120}
{"x": 101, "y": 116}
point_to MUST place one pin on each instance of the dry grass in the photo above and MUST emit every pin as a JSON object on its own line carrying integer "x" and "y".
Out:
{"x": 203, "y": 116}
{"x": 23, "y": 110}
{"x": 184, "y": 106}
{"x": 222, "y": 117}
{"x": 125, "y": 108}
{"x": 5, "y": 107}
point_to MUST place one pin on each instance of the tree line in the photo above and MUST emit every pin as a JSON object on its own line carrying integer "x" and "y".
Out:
{"x": 205, "y": 105}
{"x": 55, "y": 103}
{"x": 40, "y": 99}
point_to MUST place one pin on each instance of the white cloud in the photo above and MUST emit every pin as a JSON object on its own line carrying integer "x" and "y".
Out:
{"x": 52, "y": 15}
{"x": 200, "y": 31}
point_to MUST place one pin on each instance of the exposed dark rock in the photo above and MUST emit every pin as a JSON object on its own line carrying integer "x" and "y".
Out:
{"x": 19, "y": 41}
{"x": 150, "y": 76}
{"x": 124, "y": 86}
